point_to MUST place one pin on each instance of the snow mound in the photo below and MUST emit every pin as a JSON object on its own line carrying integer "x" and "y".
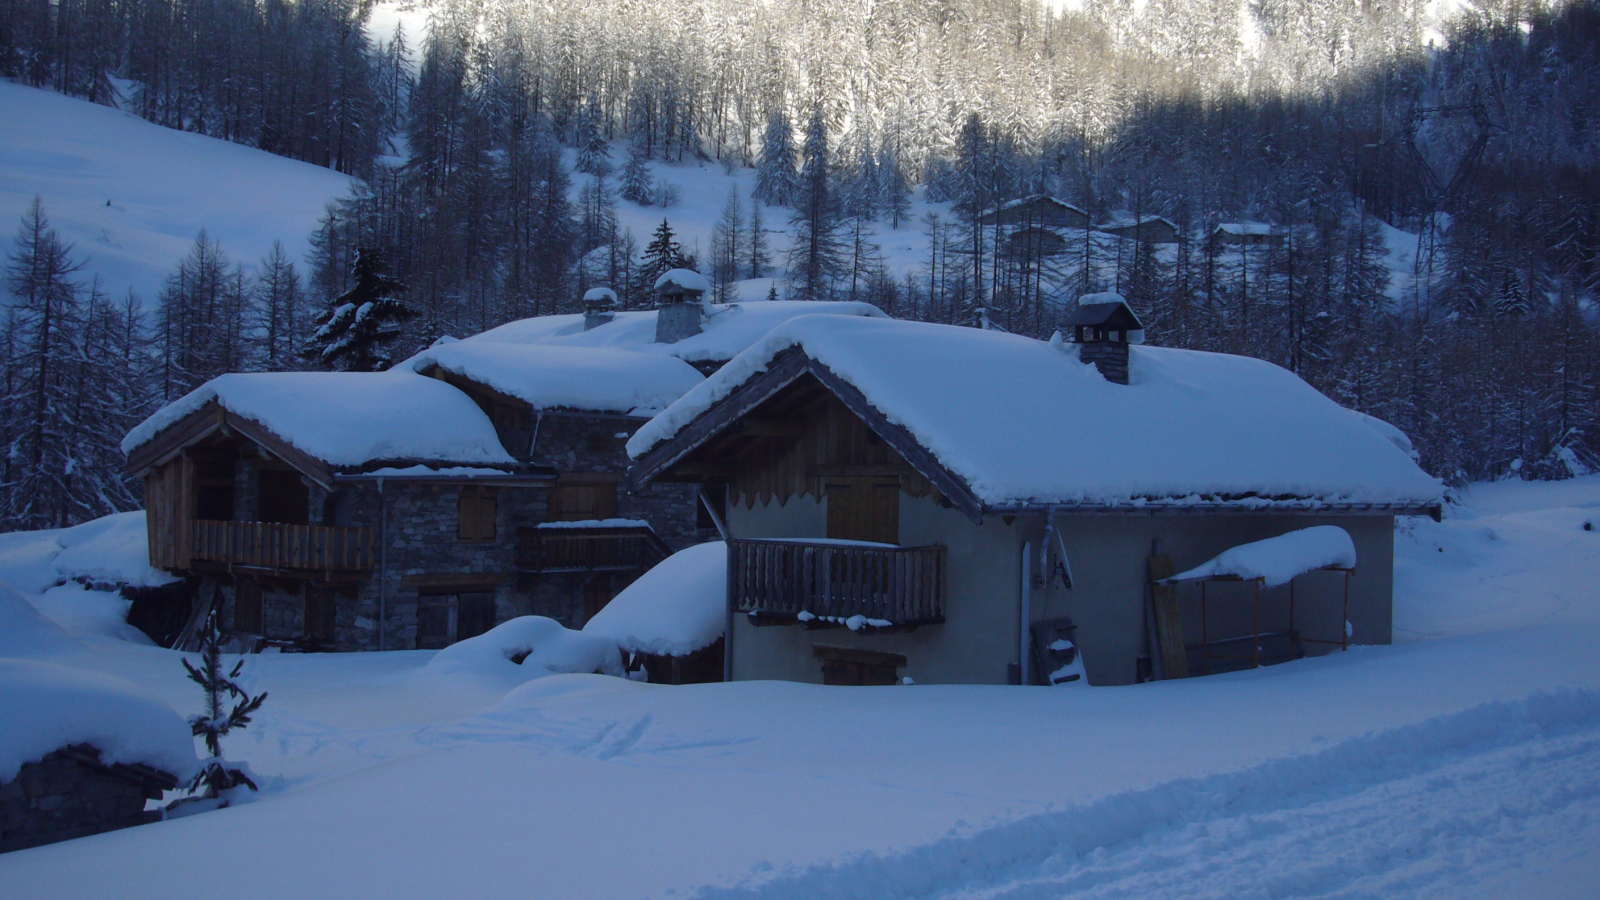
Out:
{"x": 347, "y": 418}
{"x": 112, "y": 549}
{"x": 676, "y": 608}
{"x": 1280, "y": 559}
{"x": 685, "y": 280}
{"x": 24, "y": 631}
{"x": 526, "y": 648}
{"x": 1101, "y": 297}
{"x": 600, "y": 295}
{"x": 1025, "y": 424}
{"x": 585, "y": 378}
{"x": 560, "y": 687}
{"x": 46, "y": 707}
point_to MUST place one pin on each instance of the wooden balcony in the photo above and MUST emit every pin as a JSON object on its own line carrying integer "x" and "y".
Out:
{"x": 827, "y": 583}
{"x": 272, "y": 545}
{"x": 578, "y": 547}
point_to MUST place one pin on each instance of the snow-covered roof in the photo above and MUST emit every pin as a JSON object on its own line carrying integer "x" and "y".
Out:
{"x": 674, "y": 609}
{"x": 684, "y": 280}
{"x": 726, "y": 330}
{"x": 600, "y": 379}
{"x": 46, "y": 707}
{"x": 1279, "y": 560}
{"x": 598, "y": 294}
{"x": 1026, "y": 423}
{"x": 1244, "y": 228}
{"x": 1125, "y": 219}
{"x": 347, "y": 419}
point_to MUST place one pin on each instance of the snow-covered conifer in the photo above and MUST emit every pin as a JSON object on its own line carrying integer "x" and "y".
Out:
{"x": 354, "y": 333}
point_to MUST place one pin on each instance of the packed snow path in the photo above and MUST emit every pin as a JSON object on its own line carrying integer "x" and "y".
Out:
{"x": 1439, "y": 809}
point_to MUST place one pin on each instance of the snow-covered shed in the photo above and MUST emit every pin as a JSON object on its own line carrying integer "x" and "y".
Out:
{"x": 81, "y": 752}
{"x": 1245, "y": 234}
{"x": 1037, "y": 211}
{"x": 1149, "y": 229}
{"x": 930, "y": 489}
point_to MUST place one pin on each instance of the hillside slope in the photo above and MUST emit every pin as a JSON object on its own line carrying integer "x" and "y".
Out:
{"x": 132, "y": 195}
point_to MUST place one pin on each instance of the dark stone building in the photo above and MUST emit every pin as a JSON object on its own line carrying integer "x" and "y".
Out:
{"x": 71, "y": 793}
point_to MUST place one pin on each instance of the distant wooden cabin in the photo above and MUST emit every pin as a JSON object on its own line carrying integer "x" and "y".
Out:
{"x": 1246, "y": 234}
{"x": 1035, "y": 243}
{"x": 1149, "y": 229}
{"x": 918, "y": 500}
{"x": 1037, "y": 211}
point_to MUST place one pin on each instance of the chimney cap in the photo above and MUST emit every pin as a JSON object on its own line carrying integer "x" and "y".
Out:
{"x": 600, "y": 298}
{"x": 1110, "y": 314}
{"x": 685, "y": 283}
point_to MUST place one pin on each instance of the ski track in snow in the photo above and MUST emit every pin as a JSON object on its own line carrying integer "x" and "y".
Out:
{"x": 1425, "y": 811}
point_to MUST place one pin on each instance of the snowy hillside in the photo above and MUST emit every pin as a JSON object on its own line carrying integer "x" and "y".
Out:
{"x": 1463, "y": 762}
{"x": 132, "y": 196}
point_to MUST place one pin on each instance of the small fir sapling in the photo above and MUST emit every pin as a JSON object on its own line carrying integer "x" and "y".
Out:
{"x": 215, "y": 777}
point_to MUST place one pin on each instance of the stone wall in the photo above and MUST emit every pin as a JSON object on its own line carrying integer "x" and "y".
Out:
{"x": 60, "y": 797}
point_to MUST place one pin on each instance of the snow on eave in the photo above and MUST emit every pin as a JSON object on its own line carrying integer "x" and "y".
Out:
{"x": 1021, "y": 424}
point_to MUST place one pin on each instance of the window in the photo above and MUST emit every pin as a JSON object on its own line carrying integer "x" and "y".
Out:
{"x": 475, "y": 514}
{"x": 213, "y": 486}
{"x": 247, "y": 613}
{"x": 282, "y": 496}
{"x": 443, "y": 619}
{"x": 848, "y": 666}
{"x": 578, "y": 501}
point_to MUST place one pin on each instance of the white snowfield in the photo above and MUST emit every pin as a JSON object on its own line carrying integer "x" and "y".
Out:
{"x": 674, "y": 609}
{"x": 109, "y": 181}
{"x": 1025, "y": 423}
{"x": 727, "y": 330}
{"x": 1279, "y": 560}
{"x": 597, "y": 379}
{"x": 45, "y": 707}
{"x": 1462, "y": 763}
{"x": 347, "y": 418}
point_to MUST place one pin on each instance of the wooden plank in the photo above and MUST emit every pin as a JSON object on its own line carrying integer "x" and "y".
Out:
{"x": 1169, "y": 626}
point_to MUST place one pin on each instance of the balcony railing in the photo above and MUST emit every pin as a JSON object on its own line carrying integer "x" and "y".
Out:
{"x": 830, "y": 582}
{"x": 273, "y": 545}
{"x": 578, "y": 547}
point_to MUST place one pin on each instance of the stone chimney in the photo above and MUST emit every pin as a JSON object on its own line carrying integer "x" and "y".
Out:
{"x": 1102, "y": 326}
{"x": 679, "y": 305}
{"x": 599, "y": 307}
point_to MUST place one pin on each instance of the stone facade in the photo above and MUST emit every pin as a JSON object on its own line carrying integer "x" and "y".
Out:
{"x": 423, "y": 555}
{"x": 63, "y": 796}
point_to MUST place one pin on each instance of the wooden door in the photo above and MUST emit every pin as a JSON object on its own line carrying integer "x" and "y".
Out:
{"x": 434, "y": 628}
{"x": 247, "y": 607}
{"x": 864, "y": 509}
{"x": 474, "y": 614}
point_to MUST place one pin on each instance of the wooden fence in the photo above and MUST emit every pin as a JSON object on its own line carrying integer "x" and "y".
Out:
{"x": 273, "y": 545}
{"x": 902, "y": 585}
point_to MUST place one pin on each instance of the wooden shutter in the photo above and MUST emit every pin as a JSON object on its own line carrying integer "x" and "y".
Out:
{"x": 864, "y": 509}
{"x": 476, "y": 510}
{"x": 433, "y": 622}
{"x": 578, "y": 501}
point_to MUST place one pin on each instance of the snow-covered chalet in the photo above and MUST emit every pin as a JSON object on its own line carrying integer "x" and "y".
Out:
{"x": 478, "y": 481}
{"x": 955, "y": 505}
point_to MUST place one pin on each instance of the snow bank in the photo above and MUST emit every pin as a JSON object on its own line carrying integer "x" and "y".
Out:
{"x": 24, "y": 631}
{"x": 1280, "y": 559}
{"x": 347, "y": 418}
{"x": 112, "y": 549}
{"x": 593, "y": 523}
{"x": 600, "y": 379}
{"x": 523, "y": 649}
{"x": 727, "y": 330}
{"x": 1024, "y": 423}
{"x": 674, "y": 609}
{"x": 45, "y": 707}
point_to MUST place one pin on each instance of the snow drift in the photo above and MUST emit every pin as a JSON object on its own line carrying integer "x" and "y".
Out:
{"x": 46, "y": 707}
{"x": 676, "y": 608}
{"x": 1279, "y": 560}
{"x": 523, "y": 649}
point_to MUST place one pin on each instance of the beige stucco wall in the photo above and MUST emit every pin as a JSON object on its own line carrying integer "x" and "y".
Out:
{"x": 1109, "y": 556}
